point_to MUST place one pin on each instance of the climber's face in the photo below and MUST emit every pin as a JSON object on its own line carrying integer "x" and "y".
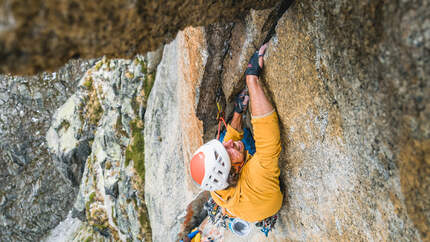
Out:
{"x": 236, "y": 151}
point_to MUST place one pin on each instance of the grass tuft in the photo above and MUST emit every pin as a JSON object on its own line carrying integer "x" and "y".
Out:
{"x": 88, "y": 83}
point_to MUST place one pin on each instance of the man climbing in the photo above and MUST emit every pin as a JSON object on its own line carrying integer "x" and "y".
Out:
{"x": 245, "y": 186}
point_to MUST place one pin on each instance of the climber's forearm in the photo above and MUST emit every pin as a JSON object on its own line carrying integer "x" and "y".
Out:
{"x": 260, "y": 105}
{"x": 236, "y": 122}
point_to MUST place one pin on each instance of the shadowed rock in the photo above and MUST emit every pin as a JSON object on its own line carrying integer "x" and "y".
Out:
{"x": 43, "y": 35}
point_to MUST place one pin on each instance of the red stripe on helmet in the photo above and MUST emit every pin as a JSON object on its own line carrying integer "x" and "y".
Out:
{"x": 197, "y": 167}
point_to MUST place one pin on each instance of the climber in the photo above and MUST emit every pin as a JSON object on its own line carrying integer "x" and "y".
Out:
{"x": 245, "y": 186}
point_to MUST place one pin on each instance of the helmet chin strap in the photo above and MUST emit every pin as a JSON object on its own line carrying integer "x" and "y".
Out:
{"x": 239, "y": 164}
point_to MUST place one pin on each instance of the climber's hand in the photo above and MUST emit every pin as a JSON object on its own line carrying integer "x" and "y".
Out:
{"x": 241, "y": 102}
{"x": 256, "y": 62}
{"x": 262, "y": 50}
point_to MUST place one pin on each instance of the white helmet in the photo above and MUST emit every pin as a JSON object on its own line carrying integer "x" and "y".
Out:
{"x": 210, "y": 166}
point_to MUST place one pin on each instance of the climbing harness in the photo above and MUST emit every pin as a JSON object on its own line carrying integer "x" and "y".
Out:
{"x": 219, "y": 219}
{"x": 215, "y": 214}
{"x": 267, "y": 224}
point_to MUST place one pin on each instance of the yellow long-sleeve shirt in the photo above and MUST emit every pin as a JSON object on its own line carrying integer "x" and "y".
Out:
{"x": 257, "y": 194}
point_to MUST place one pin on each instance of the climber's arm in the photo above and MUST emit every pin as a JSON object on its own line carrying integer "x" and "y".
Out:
{"x": 264, "y": 118}
{"x": 236, "y": 122}
{"x": 260, "y": 105}
{"x": 234, "y": 129}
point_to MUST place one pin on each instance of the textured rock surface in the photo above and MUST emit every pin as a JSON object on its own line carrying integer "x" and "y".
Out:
{"x": 351, "y": 88}
{"x": 247, "y": 35}
{"x": 33, "y": 196}
{"x": 43, "y": 35}
{"x": 99, "y": 131}
{"x": 351, "y": 91}
{"x": 348, "y": 79}
{"x": 173, "y": 132}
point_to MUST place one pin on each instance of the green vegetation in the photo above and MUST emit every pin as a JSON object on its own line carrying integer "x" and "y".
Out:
{"x": 64, "y": 124}
{"x": 144, "y": 221}
{"x": 90, "y": 108}
{"x": 94, "y": 108}
{"x": 89, "y": 239}
{"x": 98, "y": 65}
{"x": 100, "y": 227}
{"x": 143, "y": 66}
{"x": 136, "y": 150}
{"x": 88, "y": 83}
{"x": 135, "y": 105}
{"x": 114, "y": 217}
{"x": 148, "y": 83}
{"x": 91, "y": 199}
{"x": 92, "y": 196}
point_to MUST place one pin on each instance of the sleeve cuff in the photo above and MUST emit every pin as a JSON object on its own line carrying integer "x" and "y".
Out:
{"x": 233, "y": 133}
{"x": 264, "y": 115}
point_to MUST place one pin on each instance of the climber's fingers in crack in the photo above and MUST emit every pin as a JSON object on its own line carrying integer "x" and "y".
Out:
{"x": 261, "y": 52}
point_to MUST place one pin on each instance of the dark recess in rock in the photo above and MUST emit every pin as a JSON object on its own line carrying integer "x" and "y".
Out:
{"x": 217, "y": 35}
{"x": 270, "y": 26}
{"x": 75, "y": 162}
{"x": 43, "y": 35}
{"x": 113, "y": 190}
{"x": 79, "y": 214}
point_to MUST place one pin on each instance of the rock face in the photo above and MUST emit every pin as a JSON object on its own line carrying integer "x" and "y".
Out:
{"x": 43, "y": 35}
{"x": 34, "y": 198}
{"x": 351, "y": 88}
{"x": 246, "y": 36}
{"x": 97, "y": 137}
{"x": 348, "y": 80}
{"x": 173, "y": 133}
{"x": 351, "y": 92}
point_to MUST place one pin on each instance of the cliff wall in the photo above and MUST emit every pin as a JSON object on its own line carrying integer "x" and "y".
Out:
{"x": 350, "y": 87}
{"x": 42, "y": 35}
{"x": 349, "y": 81}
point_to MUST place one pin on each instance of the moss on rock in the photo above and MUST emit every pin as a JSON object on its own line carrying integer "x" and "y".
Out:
{"x": 136, "y": 150}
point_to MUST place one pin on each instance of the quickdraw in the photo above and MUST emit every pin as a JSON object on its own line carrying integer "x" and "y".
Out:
{"x": 220, "y": 112}
{"x": 215, "y": 214}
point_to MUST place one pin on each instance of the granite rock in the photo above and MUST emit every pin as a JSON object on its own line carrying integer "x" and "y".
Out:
{"x": 173, "y": 132}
